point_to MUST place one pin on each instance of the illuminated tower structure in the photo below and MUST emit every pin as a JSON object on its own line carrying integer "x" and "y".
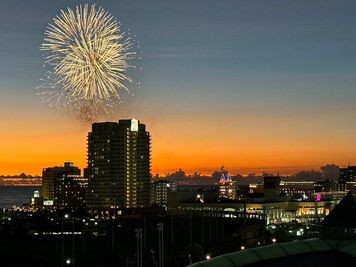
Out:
{"x": 227, "y": 187}
{"x": 118, "y": 165}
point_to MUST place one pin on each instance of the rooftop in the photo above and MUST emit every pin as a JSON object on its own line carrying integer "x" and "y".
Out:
{"x": 311, "y": 252}
{"x": 344, "y": 214}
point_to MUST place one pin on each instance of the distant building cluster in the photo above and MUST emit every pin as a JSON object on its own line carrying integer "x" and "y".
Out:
{"x": 115, "y": 192}
{"x": 118, "y": 177}
{"x": 275, "y": 200}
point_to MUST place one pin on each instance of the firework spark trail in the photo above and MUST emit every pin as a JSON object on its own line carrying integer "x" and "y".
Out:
{"x": 88, "y": 57}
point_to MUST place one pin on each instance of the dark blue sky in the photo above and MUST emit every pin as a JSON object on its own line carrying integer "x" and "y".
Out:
{"x": 249, "y": 72}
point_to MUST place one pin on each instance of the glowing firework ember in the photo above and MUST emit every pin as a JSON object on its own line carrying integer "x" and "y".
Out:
{"x": 88, "y": 56}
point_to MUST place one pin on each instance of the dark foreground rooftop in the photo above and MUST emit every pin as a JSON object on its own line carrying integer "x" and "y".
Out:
{"x": 344, "y": 214}
{"x": 312, "y": 252}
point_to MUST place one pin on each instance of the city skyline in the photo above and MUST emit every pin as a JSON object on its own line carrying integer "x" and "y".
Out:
{"x": 252, "y": 86}
{"x": 177, "y": 133}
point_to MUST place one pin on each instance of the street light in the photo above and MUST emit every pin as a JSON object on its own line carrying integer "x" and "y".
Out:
{"x": 160, "y": 245}
{"x": 66, "y": 216}
{"x": 208, "y": 257}
{"x": 139, "y": 247}
{"x": 68, "y": 260}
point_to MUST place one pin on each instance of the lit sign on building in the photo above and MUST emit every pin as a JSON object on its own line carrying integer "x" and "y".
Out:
{"x": 48, "y": 203}
{"x": 134, "y": 125}
{"x": 36, "y": 194}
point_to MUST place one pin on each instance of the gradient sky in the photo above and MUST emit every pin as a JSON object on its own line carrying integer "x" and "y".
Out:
{"x": 265, "y": 85}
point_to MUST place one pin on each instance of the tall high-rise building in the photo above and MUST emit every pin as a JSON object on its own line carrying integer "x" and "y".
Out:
{"x": 118, "y": 165}
{"x": 272, "y": 187}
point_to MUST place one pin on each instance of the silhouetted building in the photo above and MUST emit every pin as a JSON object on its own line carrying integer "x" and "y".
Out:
{"x": 341, "y": 222}
{"x": 62, "y": 186}
{"x": 331, "y": 172}
{"x": 347, "y": 174}
{"x": 272, "y": 189}
{"x": 118, "y": 165}
{"x": 36, "y": 200}
{"x": 256, "y": 188}
{"x": 159, "y": 192}
{"x": 70, "y": 191}
{"x": 298, "y": 189}
{"x": 326, "y": 186}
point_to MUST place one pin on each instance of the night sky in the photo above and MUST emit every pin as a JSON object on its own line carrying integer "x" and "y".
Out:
{"x": 251, "y": 85}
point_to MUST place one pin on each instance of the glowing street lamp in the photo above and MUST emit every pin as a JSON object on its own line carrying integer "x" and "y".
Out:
{"x": 68, "y": 261}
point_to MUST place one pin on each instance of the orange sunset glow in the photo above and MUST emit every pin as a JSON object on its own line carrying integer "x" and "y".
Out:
{"x": 191, "y": 145}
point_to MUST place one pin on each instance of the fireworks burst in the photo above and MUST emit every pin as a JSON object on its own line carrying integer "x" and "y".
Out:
{"x": 87, "y": 56}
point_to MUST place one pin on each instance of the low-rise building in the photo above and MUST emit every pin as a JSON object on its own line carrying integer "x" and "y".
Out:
{"x": 62, "y": 186}
{"x": 347, "y": 174}
{"x": 159, "y": 192}
{"x": 307, "y": 212}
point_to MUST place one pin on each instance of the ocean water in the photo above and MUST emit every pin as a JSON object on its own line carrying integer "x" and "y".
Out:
{"x": 11, "y": 196}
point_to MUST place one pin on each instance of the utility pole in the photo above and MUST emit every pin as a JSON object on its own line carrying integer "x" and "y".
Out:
{"x": 73, "y": 242}
{"x": 144, "y": 233}
{"x": 160, "y": 245}
{"x": 83, "y": 234}
{"x": 113, "y": 236}
{"x": 138, "y": 247}
{"x": 245, "y": 213}
{"x": 172, "y": 233}
{"x": 202, "y": 230}
{"x": 190, "y": 231}
{"x": 118, "y": 243}
{"x": 62, "y": 244}
{"x": 66, "y": 217}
